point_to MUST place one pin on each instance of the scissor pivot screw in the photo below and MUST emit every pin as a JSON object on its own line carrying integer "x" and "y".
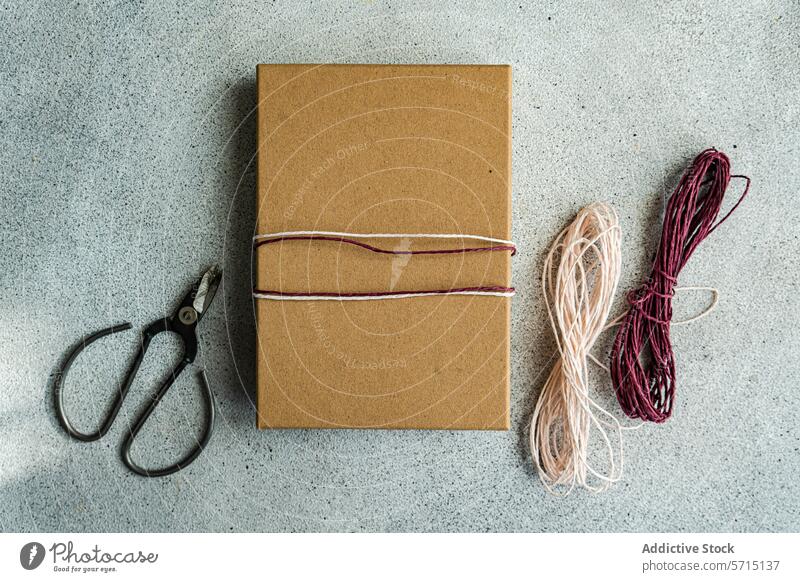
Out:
{"x": 187, "y": 315}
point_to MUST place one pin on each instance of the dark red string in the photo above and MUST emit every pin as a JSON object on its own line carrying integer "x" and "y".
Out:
{"x": 648, "y": 391}
{"x": 375, "y": 249}
{"x": 492, "y": 288}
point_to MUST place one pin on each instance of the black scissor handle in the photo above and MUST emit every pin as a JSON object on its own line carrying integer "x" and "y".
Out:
{"x": 145, "y": 414}
{"x": 58, "y": 386}
{"x": 190, "y": 350}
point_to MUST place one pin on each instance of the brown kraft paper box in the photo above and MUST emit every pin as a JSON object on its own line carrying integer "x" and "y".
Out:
{"x": 383, "y": 149}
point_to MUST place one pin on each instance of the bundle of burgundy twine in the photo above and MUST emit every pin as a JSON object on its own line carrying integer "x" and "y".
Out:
{"x": 647, "y": 391}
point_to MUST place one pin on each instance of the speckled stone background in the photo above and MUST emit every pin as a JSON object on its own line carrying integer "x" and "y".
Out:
{"x": 126, "y": 139}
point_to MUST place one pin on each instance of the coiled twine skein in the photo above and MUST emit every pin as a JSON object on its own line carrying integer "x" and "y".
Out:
{"x": 647, "y": 390}
{"x": 580, "y": 278}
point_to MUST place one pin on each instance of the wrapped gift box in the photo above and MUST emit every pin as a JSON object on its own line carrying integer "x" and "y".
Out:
{"x": 383, "y": 149}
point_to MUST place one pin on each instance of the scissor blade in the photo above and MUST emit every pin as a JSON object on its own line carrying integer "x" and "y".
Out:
{"x": 206, "y": 290}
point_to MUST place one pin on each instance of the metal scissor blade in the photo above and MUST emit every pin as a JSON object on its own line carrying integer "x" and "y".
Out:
{"x": 206, "y": 289}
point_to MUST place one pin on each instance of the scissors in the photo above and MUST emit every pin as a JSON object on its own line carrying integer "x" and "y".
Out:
{"x": 182, "y": 322}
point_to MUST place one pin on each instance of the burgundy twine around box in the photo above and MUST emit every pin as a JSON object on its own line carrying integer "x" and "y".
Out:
{"x": 487, "y": 290}
{"x": 344, "y": 238}
{"x": 375, "y": 249}
{"x": 648, "y": 392}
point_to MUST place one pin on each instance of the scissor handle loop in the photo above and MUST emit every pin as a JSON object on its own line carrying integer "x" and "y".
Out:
{"x": 145, "y": 414}
{"x": 58, "y": 387}
{"x": 190, "y": 351}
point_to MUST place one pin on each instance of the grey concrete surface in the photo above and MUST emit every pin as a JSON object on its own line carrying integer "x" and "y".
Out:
{"x": 126, "y": 138}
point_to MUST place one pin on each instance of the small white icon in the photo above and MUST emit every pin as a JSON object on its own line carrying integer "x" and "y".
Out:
{"x": 399, "y": 261}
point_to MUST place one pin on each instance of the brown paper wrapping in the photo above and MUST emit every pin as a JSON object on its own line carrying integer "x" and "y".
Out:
{"x": 392, "y": 149}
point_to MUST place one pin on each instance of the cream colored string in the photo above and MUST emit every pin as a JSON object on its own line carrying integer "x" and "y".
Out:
{"x": 580, "y": 278}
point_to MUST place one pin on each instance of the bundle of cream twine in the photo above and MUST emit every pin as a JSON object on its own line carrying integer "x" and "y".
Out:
{"x": 580, "y": 278}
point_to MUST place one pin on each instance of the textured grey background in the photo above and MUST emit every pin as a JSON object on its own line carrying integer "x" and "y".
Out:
{"x": 126, "y": 133}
